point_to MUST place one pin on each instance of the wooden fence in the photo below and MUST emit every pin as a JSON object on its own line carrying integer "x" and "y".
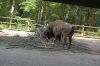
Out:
{"x": 27, "y": 20}
{"x": 81, "y": 27}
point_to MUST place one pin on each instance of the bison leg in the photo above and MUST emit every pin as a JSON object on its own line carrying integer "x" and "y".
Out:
{"x": 64, "y": 41}
{"x": 70, "y": 41}
{"x": 58, "y": 38}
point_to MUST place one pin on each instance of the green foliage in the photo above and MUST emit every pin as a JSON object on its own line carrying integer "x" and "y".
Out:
{"x": 89, "y": 34}
{"x": 5, "y": 7}
{"x": 38, "y": 11}
{"x": 28, "y": 5}
{"x": 92, "y": 34}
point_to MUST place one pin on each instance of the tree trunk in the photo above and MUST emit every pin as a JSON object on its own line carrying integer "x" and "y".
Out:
{"x": 44, "y": 14}
{"x": 12, "y": 11}
{"x": 75, "y": 13}
{"x": 91, "y": 17}
{"x": 40, "y": 13}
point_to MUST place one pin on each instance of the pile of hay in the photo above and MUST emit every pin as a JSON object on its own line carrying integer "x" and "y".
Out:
{"x": 31, "y": 40}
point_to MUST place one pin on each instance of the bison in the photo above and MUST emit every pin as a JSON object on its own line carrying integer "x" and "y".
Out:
{"x": 59, "y": 30}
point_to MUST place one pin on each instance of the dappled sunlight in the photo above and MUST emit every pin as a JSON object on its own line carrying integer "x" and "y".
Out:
{"x": 14, "y": 33}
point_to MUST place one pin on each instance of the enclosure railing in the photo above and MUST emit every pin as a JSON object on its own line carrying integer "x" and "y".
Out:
{"x": 27, "y": 20}
{"x": 81, "y": 28}
{"x": 87, "y": 31}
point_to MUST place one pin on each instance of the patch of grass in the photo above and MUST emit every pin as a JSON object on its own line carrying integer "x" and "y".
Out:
{"x": 88, "y": 33}
{"x": 17, "y": 27}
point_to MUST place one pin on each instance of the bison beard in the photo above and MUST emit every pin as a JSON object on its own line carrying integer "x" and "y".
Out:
{"x": 59, "y": 30}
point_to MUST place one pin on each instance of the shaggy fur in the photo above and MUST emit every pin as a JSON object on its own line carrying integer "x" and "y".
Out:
{"x": 60, "y": 30}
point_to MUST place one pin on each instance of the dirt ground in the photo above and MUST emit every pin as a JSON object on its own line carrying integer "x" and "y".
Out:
{"x": 26, "y": 51}
{"x": 45, "y": 57}
{"x": 22, "y": 39}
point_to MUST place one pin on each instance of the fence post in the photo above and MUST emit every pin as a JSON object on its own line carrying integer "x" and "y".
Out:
{"x": 10, "y": 22}
{"x": 82, "y": 31}
{"x": 27, "y": 24}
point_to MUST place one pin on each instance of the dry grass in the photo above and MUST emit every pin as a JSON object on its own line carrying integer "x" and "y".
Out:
{"x": 30, "y": 41}
{"x": 36, "y": 41}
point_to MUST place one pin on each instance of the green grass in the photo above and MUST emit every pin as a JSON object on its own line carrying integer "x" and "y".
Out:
{"x": 17, "y": 27}
{"x": 89, "y": 34}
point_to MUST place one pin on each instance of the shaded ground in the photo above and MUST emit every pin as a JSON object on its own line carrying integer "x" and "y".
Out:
{"x": 80, "y": 45}
{"x": 84, "y": 52}
{"x": 44, "y": 57}
{"x": 91, "y": 45}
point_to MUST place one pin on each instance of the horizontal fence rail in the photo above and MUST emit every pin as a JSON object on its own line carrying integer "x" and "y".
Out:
{"x": 81, "y": 27}
{"x": 26, "y": 19}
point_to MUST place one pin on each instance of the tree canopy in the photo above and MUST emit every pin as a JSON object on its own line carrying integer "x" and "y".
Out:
{"x": 45, "y": 11}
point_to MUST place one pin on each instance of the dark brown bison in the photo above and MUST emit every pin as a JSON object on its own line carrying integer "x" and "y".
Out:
{"x": 59, "y": 30}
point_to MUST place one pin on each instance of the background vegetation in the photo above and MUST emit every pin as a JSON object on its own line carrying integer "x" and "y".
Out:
{"x": 43, "y": 11}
